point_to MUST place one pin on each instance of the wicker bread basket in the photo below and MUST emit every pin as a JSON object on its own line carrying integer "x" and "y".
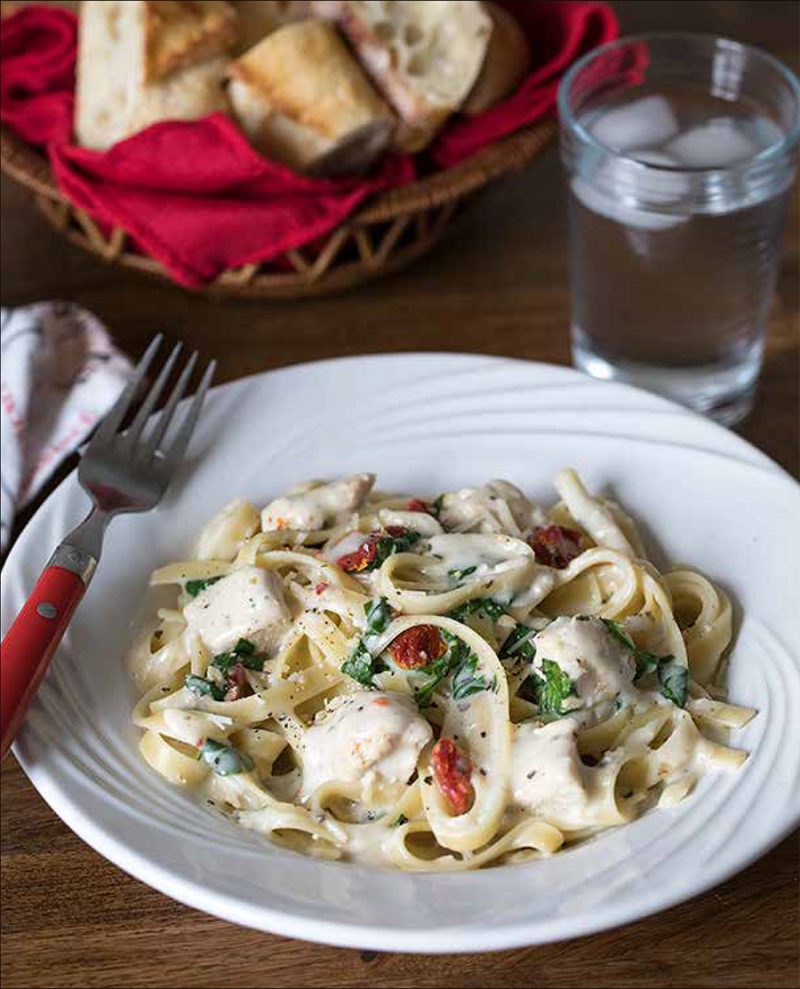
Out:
{"x": 390, "y": 231}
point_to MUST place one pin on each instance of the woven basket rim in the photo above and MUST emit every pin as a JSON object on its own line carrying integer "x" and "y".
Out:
{"x": 30, "y": 168}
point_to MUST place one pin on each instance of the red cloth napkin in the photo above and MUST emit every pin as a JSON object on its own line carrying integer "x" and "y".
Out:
{"x": 196, "y": 196}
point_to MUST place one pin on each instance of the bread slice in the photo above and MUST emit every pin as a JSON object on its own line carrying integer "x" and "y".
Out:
{"x": 258, "y": 18}
{"x": 188, "y": 94}
{"x": 507, "y": 62}
{"x": 424, "y": 56}
{"x": 184, "y": 33}
{"x": 303, "y": 100}
{"x": 141, "y": 62}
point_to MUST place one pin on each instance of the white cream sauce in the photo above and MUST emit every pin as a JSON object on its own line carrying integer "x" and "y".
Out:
{"x": 498, "y": 506}
{"x": 247, "y": 604}
{"x": 489, "y": 554}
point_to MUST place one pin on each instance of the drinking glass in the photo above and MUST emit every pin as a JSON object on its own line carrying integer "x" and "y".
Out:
{"x": 680, "y": 151}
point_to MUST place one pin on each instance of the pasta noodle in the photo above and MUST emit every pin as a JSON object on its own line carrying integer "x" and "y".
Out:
{"x": 433, "y": 685}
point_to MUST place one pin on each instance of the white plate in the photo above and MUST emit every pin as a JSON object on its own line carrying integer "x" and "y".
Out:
{"x": 427, "y": 423}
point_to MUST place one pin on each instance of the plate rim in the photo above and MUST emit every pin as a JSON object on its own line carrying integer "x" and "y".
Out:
{"x": 354, "y": 935}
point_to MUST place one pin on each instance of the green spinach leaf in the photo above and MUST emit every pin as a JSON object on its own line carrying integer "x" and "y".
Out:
{"x": 519, "y": 643}
{"x": 551, "y": 687}
{"x": 204, "y": 688}
{"x": 361, "y": 665}
{"x": 193, "y": 587}
{"x": 459, "y": 573}
{"x": 482, "y": 607}
{"x": 243, "y": 652}
{"x": 674, "y": 680}
{"x": 225, "y": 760}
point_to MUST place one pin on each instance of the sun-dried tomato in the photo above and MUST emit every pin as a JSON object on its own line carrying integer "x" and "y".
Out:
{"x": 556, "y": 546}
{"x": 417, "y": 505}
{"x": 235, "y": 682}
{"x": 452, "y": 771}
{"x": 417, "y": 646}
{"x": 361, "y": 558}
{"x": 375, "y": 548}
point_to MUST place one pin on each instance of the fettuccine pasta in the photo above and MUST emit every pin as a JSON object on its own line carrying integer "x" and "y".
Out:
{"x": 433, "y": 685}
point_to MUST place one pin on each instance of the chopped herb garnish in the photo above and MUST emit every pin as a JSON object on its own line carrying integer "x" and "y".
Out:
{"x": 646, "y": 662}
{"x": 435, "y": 673}
{"x": 519, "y": 643}
{"x": 401, "y": 819}
{"x": 362, "y": 665}
{"x": 193, "y": 587}
{"x": 465, "y": 680}
{"x": 435, "y": 508}
{"x": 459, "y": 573}
{"x": 551, "y": 687}
{"x": 674, "y": 680}
{"x": 482, "y": 607}
{"x": 243, "y": 652}
{"x": 225, "y": 760}
{"x": 202, "y": 687}
{"x": 244, "y": 647}
{"x": 617, "y": 632}
{"x": 388, "y": 545}
{"x": 461, "y": 662}
{"x": 673, "y": 677}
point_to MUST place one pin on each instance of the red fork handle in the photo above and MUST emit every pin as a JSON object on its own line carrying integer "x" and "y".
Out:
{"x": 30, "y": 643}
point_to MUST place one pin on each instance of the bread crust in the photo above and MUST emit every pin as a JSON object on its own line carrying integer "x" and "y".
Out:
{"x": 258, "y": 18}
{"x": 303, "y": 99}
{"x": 117, "y": 93}
{"x": 507, "y": 62}
{"x": 422, "y": 113}
{"x": 178, "y": 33}
{"x": 305, "y": 72}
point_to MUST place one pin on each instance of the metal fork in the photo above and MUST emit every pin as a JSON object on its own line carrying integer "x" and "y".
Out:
{"x": 121, "y": 471}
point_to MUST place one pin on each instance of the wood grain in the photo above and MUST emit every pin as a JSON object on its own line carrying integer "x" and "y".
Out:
{"x": 498, "y": 285}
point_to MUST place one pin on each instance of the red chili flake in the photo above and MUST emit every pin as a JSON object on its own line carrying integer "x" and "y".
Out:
{"x": 452, "y": 769}
{"x": 362, "y": 557}
{"x": 556, "y": 546}
{"x": 417, "y": 646}
{"x": 381, "y": 702}
{"x": 321, "y": 586}
{"x": 417, "y": 505}
{"x": 235, "y": 682}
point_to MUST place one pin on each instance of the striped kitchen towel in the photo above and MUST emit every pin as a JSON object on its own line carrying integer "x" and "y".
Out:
{"x": 59, "y": 375}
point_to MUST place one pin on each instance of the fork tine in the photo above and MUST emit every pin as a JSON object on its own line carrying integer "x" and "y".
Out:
{"x": 147, "y": 406}
{"x": 166, "y": 414}
{"x": 174, "y": 455}
{"x": 113, "y": 420}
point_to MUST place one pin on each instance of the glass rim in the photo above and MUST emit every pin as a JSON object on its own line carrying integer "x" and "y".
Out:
{"x": 774, "y": 151}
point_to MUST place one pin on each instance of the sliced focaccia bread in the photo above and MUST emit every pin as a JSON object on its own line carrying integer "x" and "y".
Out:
{"x": 142, "y": 62}
{"x": 303, "y": 100}
{"x": 424, "y": 56}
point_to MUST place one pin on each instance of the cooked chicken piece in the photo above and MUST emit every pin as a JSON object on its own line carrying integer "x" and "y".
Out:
{"x": 317, "y": 506}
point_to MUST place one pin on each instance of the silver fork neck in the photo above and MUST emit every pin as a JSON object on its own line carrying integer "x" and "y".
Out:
{"x": 81, "y": 549}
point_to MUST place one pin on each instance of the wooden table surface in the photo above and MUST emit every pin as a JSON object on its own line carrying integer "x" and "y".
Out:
{"x": 498, "y": 285}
